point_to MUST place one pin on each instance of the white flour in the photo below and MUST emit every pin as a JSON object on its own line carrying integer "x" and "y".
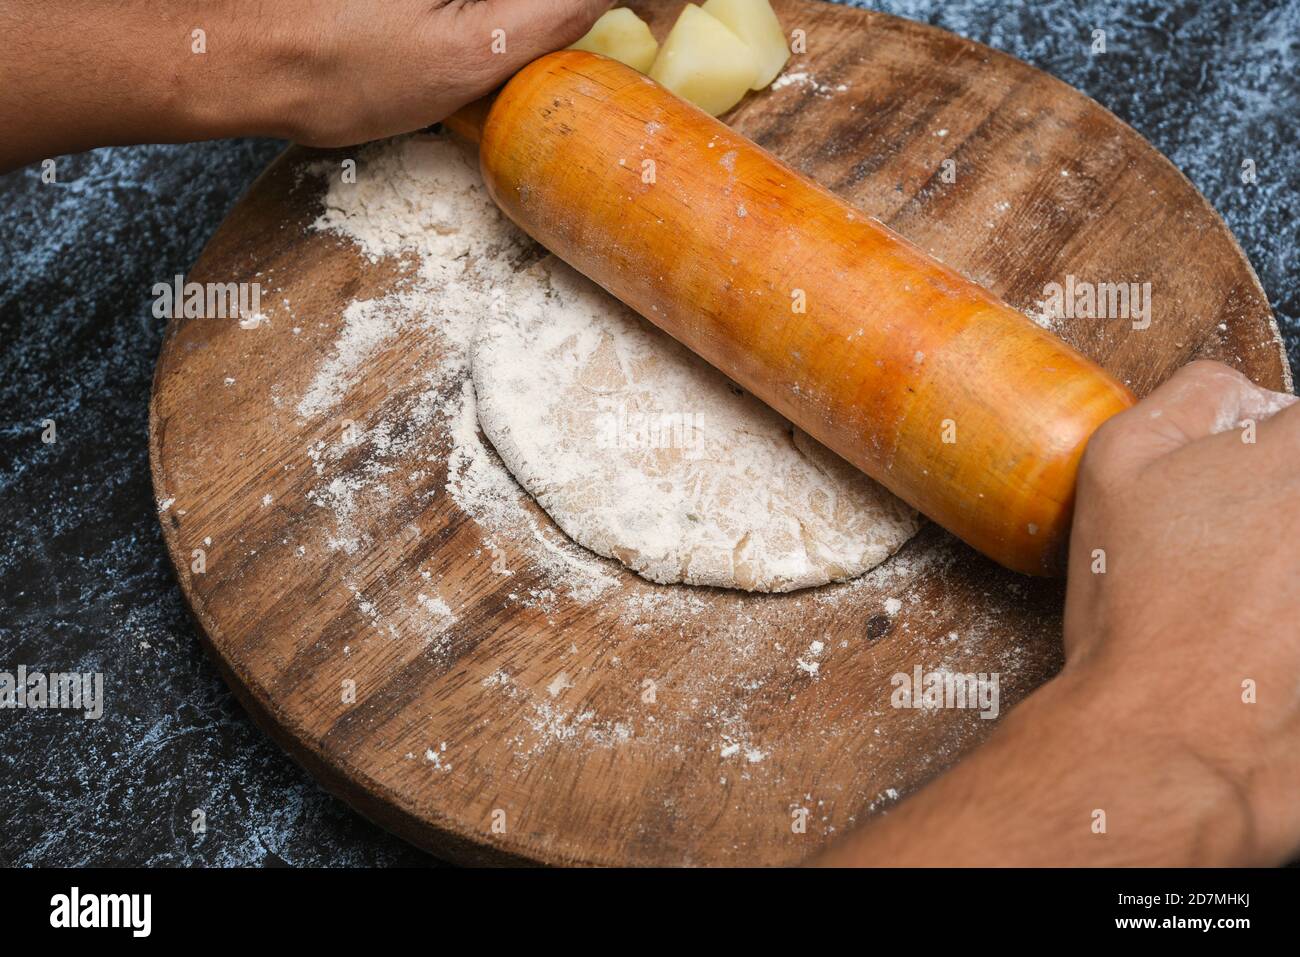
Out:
{"x": 806, "y": 80}
{"x": 421, "y": 200}
{"x": 763, "y": 514}
{"x": 644, "y": 453}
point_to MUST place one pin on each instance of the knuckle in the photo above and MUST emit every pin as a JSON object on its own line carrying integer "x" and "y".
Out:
{"x": 1102, "y": 454}
{"x": 1205, "y": 367}
{"x": 1287, "y": 420}
{"x": 1208, "y": 372}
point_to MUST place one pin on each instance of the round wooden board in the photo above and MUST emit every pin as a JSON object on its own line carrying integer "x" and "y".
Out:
{"x": 659, "y": 724}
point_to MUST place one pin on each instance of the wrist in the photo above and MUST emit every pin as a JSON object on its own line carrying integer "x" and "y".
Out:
{"x": 1146, "y": 744}
{"x": 101, "y": 75}
{"x": 204, "y": 72}
{"x": 228, "y": 76}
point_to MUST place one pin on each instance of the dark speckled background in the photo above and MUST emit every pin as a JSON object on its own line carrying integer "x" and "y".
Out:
{"x": 84, "y": 584}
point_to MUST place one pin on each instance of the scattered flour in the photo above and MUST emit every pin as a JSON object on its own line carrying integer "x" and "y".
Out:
{"x": 421, "y": 198}
{"x": 806, "y": 80}
{"x": 419, "y": 201}
{"x": 438, "y": 611}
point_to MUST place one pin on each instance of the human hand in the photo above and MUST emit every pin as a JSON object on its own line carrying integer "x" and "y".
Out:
{"x": 1183, "y": 609}
{"x": 320, "y": 72}
{"x": 348, "y": 71}
{"x": 1148, "y": 723}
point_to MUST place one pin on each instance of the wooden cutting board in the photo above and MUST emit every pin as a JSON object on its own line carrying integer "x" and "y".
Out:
{"x": 657, "y": 724}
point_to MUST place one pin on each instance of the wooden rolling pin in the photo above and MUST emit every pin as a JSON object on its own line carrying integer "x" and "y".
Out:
{"x": 956, "y": 402}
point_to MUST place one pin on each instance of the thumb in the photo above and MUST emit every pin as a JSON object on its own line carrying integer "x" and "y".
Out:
{"x": 1205, "y": 398}
{"x": 1201, "y": 399}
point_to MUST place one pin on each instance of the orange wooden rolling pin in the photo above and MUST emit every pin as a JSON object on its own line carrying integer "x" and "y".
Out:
{"x": 950, "y": 398}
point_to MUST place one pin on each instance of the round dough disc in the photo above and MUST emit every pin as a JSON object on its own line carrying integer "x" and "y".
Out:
{"x": 644, "y": 453}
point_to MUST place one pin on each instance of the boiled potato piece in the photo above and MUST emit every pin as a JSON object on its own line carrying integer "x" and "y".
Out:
{"x": 755, "y": 23}
{"x": 704, "y": 62}
{"x": 623, "y": 36}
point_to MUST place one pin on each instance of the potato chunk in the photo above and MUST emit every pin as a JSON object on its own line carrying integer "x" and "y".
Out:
{"x": 704, "y": 62}
{"x": 621, "y": 35}
{"x": 755, "y": 22}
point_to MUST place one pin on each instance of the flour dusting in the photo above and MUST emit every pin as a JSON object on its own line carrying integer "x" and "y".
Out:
{"x": 419, "y": 203}
{"x": 756, "y": 508}
{"x": 421, "y": 198}
{"x": 806, "y": 80}
{"x": 645, "y": 453}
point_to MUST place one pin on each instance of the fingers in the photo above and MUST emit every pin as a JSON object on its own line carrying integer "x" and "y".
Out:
{"x": 1287, "y": 416}
{"x": 469, "y": 48}
{"x": 529, "y": 28}
{"x": 493, "y": 39}
{"x": 1201, "y": 399}
{"x": 1205, "y": 398}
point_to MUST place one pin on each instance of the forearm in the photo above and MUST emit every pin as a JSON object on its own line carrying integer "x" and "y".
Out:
{"x": 75, "y": 75}
{"x": 1035, "y": 792}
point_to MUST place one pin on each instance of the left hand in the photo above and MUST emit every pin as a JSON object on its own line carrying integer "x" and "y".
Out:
{"x": 320, "y": 72}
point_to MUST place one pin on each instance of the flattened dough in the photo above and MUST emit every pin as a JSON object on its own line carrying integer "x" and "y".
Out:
{"x": 644, "y": 453}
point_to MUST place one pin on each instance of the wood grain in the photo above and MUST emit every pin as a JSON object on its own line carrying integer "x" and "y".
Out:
{"x": 1050, "y": 184}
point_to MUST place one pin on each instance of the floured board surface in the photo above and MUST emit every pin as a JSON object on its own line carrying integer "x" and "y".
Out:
{"x": 416, "y": 632}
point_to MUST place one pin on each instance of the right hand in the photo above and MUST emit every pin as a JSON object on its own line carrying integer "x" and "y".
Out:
{"x": 1199, "y": 531}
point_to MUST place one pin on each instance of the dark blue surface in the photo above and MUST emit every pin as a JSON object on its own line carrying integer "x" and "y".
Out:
{"x": 84, "y": 584}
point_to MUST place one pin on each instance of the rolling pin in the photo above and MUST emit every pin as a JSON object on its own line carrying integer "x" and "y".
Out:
{"x": 955, "y": 402}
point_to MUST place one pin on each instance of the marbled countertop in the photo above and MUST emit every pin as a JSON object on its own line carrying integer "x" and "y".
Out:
{"x": 84, "y": 583}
